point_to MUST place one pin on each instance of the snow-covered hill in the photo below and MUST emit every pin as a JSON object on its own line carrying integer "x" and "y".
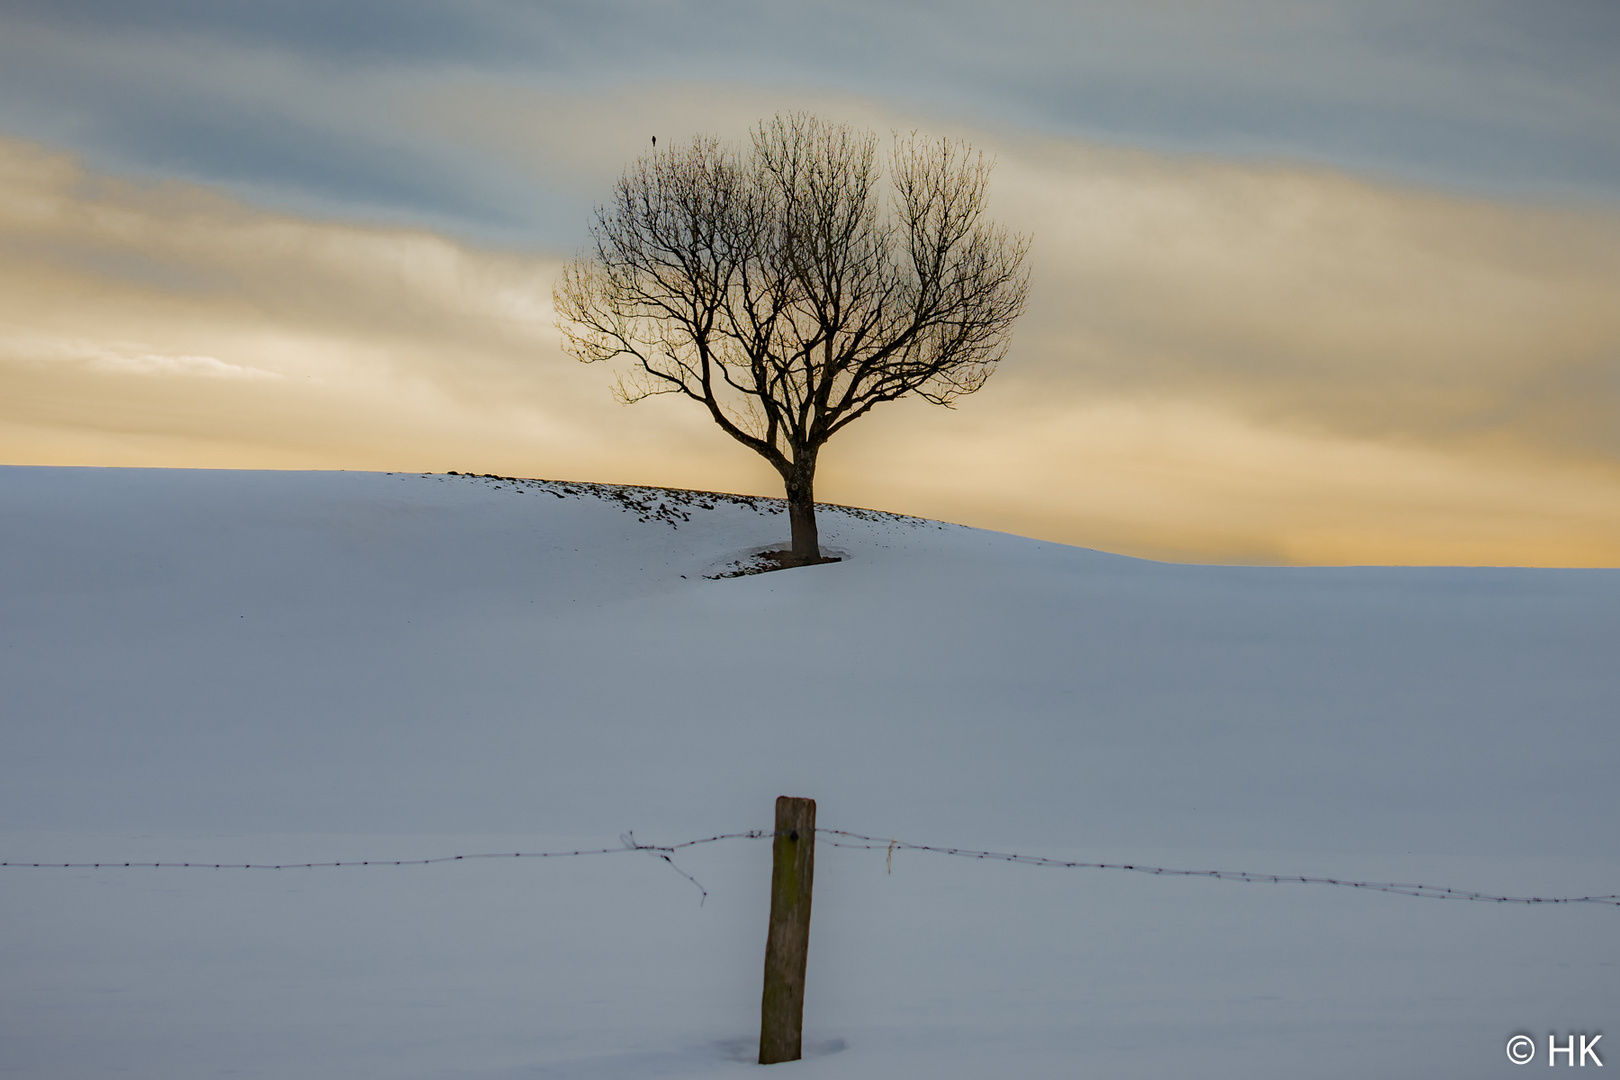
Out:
{"x": 230, "y": 667}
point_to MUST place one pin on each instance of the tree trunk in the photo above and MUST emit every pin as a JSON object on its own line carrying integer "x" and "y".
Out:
{"x": 801, "y": 502}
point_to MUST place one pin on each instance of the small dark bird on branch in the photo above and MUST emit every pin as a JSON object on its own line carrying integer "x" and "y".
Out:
{"x": 655, "y": 142}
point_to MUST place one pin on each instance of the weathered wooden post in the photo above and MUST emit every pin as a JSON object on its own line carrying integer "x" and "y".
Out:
{"x": 781, "y": 1012}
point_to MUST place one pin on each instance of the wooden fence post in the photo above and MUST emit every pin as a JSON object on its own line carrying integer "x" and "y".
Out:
{"x": 793, "y": 865}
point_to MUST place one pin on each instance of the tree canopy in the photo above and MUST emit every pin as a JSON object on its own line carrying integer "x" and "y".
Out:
{"x": 789, "y": 289}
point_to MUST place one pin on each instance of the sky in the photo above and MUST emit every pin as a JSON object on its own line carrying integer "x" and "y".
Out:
{"x": 1325, "y": 283}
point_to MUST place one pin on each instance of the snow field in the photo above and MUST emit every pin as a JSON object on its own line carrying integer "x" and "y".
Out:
{"x": 227, "y": 666}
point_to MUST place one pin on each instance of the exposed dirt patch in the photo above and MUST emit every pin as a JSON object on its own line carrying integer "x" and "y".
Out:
{"x": 763, "y": 562}
{"x": 674, "y": 506}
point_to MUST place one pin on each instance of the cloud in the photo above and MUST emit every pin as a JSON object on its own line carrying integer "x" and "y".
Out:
{"x": 125, "y": 358}
{"x": 1186, "y": 480}
{"x": 387, "y": 348}
{"x": 207, "y": 367}
{"x": 308, "y": 105}
{"x": 1222, "y": 361}
{"x": 1307, "y": 297}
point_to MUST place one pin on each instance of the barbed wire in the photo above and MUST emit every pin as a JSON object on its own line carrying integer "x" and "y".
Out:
{"x": 1428, "y": 892}
{"x": 627, "y": 842}
{"x": 841, "y": 838}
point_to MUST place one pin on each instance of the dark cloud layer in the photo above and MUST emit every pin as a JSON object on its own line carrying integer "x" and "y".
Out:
{"x": 1496, "y": 97}
{"x": 354, "y": 31}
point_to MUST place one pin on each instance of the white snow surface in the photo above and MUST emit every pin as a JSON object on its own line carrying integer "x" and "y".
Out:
{"x": 276, "y": 666}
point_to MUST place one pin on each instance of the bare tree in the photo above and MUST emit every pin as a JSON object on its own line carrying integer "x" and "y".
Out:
{"x": 789, "y": 290}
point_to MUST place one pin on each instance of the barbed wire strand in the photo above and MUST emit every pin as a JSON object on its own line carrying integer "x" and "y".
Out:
{"x": 627, "y": 844}
{"x": 841, "y": 838}
{"x": 1427, "y": 892}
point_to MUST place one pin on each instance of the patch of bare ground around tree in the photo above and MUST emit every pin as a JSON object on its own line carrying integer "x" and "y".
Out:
{"x": 675, "y": 506}
{"x": 764, "y": 562}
